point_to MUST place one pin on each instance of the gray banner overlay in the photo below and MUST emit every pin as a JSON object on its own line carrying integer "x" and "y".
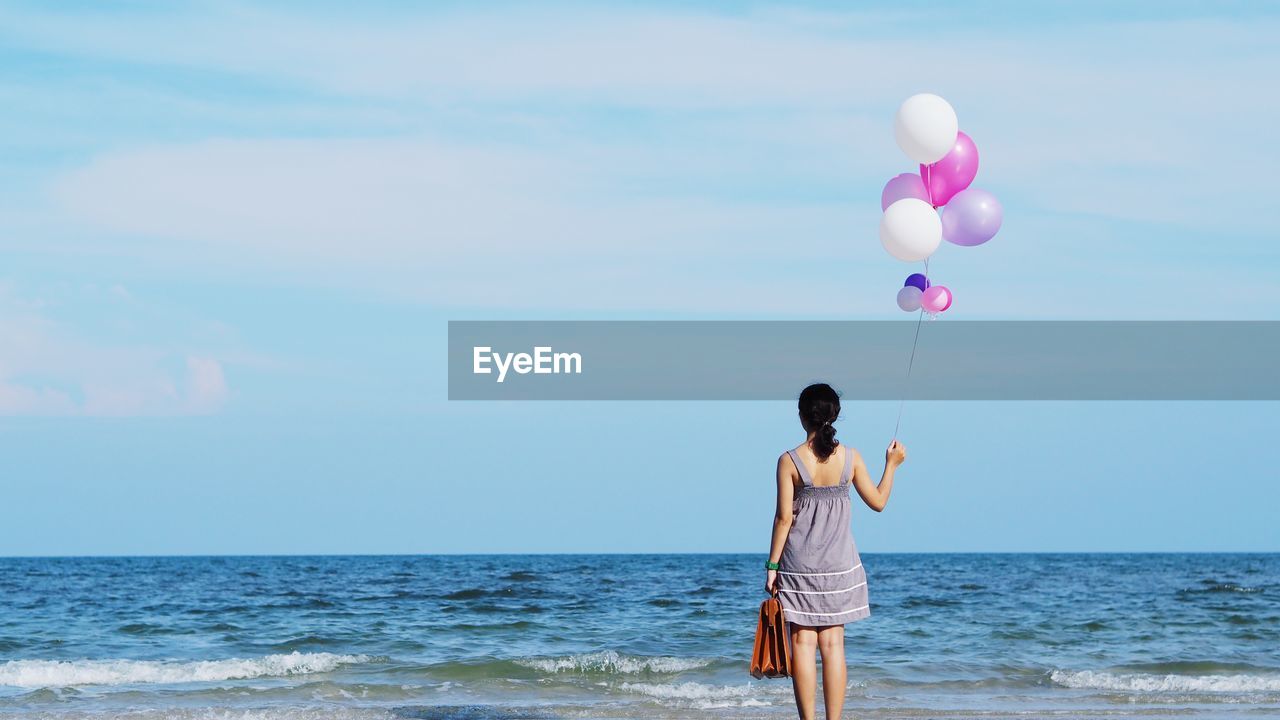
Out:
{"x": 773, "y": 360}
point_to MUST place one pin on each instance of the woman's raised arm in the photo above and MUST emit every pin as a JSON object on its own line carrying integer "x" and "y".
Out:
{"x": 877, "y": 496}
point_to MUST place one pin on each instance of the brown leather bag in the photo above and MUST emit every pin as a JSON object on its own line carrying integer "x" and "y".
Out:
{"x": 771, "y": 656}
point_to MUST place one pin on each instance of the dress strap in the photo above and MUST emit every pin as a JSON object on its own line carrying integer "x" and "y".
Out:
{"x": 847, "y": 476}
{"x": 804, "y": 474}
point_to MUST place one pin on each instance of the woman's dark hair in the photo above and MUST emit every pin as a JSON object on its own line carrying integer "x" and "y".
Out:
{"x": 819, "y": 407}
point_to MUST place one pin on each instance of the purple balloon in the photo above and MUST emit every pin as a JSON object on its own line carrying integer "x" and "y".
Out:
{"x": 909, "y": 298}
{"x": 906, "y": 185}
{"x": 952, "y": 173}
{"x": 918, "y": 281}
{"x": 972, "y": 217}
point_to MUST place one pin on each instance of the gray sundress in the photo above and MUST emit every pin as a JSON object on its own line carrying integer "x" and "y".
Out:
{"x": 821, "y": 580}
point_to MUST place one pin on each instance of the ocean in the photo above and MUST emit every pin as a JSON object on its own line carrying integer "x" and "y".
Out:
{"x": 622, "y": 636}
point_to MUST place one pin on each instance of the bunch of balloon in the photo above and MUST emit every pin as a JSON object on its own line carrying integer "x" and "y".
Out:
{"x": 918, "y": 293}
{"x": 921, "y": 210}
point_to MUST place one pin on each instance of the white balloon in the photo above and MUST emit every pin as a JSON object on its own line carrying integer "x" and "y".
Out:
{"x": 925, "y": 128}
{"x": 909, "y": 298}
{"x": 910, "y": 230}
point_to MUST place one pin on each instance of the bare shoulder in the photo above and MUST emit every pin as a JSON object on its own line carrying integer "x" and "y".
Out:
{"x": 788, "y": 466}
{"x": 853, "y": 453}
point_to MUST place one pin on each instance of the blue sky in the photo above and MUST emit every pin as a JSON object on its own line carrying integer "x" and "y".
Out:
{"x": 231, "y": 235}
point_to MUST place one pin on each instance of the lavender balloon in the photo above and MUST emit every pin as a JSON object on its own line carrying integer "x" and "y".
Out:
{"x": 906, "y": 185}
{"x": 918, "y": 281}
{"x": 909, "y": 298}
{"x": 952, "y": 173}
{"x": 972, "y": 217}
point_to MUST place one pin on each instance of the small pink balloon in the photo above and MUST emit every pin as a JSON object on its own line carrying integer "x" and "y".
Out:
{"x": 906, "y": 185}
{"x": 952, "y": 173}
{"x": 936, "y": 299}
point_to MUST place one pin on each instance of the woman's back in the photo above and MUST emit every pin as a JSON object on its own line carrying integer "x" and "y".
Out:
{"x": 822, "y": 474}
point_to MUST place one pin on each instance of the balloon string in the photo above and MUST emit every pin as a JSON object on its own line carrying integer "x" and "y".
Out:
{"x": 906, "y": 384}
{"x": 902, "y": 404}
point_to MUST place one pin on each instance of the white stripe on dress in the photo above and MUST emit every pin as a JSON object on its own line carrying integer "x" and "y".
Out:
{"x": 823, "y": 592}
{"x": 842, "y": 572}
{"x": 843, "y": 612}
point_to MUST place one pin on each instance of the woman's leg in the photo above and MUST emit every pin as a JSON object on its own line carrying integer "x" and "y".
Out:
{"x": 834, "y": 674}
{"x": 804, "y": 669}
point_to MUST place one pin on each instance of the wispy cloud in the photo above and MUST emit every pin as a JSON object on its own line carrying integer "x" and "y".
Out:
{"x": 47, "y": 368}
{"x": 682, "y": 159}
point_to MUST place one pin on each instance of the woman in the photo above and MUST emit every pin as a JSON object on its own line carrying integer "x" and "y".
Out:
{"x": 813, "y": 566}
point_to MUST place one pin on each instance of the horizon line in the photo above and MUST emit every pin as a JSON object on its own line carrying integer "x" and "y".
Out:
{"x": 621, "y": 554}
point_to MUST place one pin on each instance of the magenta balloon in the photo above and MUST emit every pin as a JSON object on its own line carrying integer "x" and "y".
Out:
{"x": 972, "y": 217}
{"x": 906, "y": 185}
{"x": 953, "y": 172}
{"x": 936, "y": 299}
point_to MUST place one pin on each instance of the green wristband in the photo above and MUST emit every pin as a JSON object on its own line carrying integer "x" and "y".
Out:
{"x": 770, "y": 565}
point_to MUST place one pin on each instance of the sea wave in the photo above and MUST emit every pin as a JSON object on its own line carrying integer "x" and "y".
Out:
{"x": 1153, "y": 683}
{"x": 1210, "y": 586}
{"x": 65, "y": 673}
{"x": 703, "y": 696}
{"x": 614, "y": 663}
{"x": 225, "y": 713}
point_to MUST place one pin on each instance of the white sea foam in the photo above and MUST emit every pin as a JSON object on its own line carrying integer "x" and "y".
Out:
{"x": 224, "y": 713}
{"x": 612, "y": 662}
{"x": 64, "y": 673}
{"x": 1150, "y": 683}
{"x": 689, "y": 691}
{"x": 706, "y": 697}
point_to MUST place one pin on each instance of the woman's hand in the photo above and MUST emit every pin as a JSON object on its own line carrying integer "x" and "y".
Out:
{"x": 895, "y": 455}
{"x": 771, "y": 581}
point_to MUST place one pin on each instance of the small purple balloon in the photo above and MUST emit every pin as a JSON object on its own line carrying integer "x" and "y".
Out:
{"x": 952, "y": 173}
{"x": 906, "y": 185}
{"x": 918, "y": 281}
{"x": 909, "y": 298}
{"x": 972, "y": 217}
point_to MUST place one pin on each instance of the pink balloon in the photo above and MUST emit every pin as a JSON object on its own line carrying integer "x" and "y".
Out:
{"x": 953, "y": 172}
{"x": 906, "y": 185}
{"x": 936, "y": 299}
